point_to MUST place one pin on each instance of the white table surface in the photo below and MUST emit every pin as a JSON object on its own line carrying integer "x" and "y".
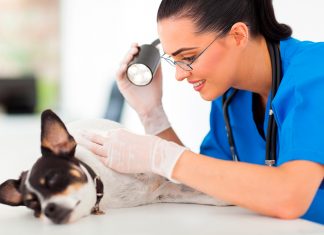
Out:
{"x": 160, "y": 219}
{"x": 19, "y": 149}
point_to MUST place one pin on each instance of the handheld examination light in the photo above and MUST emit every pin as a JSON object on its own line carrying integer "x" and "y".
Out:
{"x": 142, "y": 68}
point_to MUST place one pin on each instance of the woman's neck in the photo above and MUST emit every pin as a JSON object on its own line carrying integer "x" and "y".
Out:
{"x": 256, "y": 73}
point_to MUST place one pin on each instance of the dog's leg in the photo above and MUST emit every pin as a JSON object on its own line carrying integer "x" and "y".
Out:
{"x": 179, "y": 193}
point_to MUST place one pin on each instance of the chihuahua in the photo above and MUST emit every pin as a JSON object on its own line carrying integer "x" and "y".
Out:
{"x": 68, "y": 182}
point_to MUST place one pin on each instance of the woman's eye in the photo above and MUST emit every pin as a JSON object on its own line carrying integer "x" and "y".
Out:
{"x": 189, "y": 59}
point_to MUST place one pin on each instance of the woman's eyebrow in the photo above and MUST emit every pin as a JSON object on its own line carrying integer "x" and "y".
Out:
{"x": 181, "y": 50}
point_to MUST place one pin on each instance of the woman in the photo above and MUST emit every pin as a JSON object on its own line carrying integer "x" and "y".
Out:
{"x": 223, "y": 47}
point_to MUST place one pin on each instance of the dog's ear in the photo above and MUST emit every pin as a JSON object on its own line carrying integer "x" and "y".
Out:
{"x": 55, "y": 138}
{"x": 10, "y": 191}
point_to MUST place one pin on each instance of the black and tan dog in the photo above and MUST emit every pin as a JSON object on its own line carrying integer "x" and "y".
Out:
{"x": 68, "y": 182}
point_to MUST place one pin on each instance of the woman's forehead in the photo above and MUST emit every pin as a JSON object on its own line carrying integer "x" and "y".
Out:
{"x": 177, "y": 32}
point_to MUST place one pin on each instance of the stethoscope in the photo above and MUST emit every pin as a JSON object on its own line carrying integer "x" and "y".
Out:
{"x": 271, "y": 138}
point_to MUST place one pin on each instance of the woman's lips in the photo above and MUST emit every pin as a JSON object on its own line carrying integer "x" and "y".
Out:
{"x": 198, "y": 85}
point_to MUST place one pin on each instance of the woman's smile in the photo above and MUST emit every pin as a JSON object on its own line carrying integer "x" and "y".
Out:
{"x": 198, "y": 85}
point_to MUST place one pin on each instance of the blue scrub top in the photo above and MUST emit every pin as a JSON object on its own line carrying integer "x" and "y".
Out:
{"x": 299, "y": 113}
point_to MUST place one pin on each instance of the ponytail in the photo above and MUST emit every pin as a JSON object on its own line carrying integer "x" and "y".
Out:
{"x": 266, "y": 22}
{"x": 220, "y": 15}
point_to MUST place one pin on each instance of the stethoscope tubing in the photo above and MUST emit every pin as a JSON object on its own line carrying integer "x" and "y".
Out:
{"x": 271, "y": 138}
{"x": 226, "y": 101}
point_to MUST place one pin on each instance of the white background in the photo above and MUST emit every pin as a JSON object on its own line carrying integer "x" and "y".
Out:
{"x": 95, "y": 36}
{"x": 97, "y": 33}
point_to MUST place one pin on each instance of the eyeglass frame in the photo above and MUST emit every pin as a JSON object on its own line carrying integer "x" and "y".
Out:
{"x": 187, "y": 66}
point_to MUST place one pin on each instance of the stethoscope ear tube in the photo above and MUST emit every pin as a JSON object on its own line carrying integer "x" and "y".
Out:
{"x": 226, "y": 101}
{"x": 271, "y": 138}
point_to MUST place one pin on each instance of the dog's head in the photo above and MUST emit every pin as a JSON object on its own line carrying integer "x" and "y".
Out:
{"x": 58, "y": 186}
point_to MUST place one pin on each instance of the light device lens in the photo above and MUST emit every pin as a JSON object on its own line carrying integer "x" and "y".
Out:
{"x": 143, "y": 67}
{"x": 139, "y": 74}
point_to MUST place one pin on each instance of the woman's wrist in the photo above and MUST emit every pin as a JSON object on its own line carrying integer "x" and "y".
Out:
{"x": 165, "y": 158}
{"x": 155, "y": 121}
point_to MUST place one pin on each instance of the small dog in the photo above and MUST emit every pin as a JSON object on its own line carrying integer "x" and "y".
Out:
{"x": 68, "y": 182}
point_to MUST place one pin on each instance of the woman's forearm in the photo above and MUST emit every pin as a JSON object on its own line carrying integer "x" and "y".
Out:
{"x": 285, "y": 191}
{"x": 170, "y": 135}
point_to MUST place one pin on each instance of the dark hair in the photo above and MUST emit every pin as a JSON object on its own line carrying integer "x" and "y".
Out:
{"x": 221, "y": 15}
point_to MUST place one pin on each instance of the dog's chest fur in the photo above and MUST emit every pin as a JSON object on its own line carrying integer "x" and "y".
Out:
{"x": 120, "y": 190}
{"x": 128, "y": 190}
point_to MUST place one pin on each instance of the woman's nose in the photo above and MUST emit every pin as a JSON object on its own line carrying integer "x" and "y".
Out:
{"x": 181, "y": 74}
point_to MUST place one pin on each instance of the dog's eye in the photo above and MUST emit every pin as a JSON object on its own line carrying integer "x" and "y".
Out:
{"x": 52, "y": 179}
{"x": 56, "y": 180}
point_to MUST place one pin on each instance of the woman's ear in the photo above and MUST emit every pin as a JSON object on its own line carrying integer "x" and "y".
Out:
{"x": 241, "y": 33}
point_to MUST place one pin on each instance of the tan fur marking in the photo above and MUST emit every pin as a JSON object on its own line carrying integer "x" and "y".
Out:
{"x": 42, "y": 181}
{"x": 75, "y": 173}
{"x": 71, "y": 188}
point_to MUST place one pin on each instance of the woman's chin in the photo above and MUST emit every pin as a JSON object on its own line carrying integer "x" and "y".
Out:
{"x": 208, "y": 96}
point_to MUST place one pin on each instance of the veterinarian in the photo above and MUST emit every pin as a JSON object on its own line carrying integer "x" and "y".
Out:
{"x": 266, "y": 87}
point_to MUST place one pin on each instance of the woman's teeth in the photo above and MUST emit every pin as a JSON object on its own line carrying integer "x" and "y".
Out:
{"x": 196, "y": 84}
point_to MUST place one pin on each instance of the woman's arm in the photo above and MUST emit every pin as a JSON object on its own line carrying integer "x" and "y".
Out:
{"x": 170, "y": 135}
{"x": 285, "y": 191}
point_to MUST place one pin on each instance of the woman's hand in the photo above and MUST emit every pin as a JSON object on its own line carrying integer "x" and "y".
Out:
{"x": 127, "y": 152}
{"x": 145, "y": 100}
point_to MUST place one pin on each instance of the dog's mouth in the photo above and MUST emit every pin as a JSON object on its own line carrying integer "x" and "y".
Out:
{"x": 59, "y": 214}
{"x": 62, "y": 218}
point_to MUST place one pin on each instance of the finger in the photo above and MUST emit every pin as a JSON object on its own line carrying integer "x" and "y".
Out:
{"x": 134, "y": 44}
{"x": 104, "y": 160}
{"x": 121, "y": 72}
{"x": 134, "y": 48}
{"x": 126, "y": 60}
{"x": 130, "y": 55}
{"x": 95, "y": 148}
{"x": 114, "y": 133}
{"x": 98, "y": 139}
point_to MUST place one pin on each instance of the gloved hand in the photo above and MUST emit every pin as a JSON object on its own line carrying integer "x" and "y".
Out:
{"x": 127, "y": 152}
{"x": 145, "y": 100}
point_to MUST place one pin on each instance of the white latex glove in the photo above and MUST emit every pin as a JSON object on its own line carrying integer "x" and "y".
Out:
{"x": 145, "y": 100}
{"x": 127, "y": 152}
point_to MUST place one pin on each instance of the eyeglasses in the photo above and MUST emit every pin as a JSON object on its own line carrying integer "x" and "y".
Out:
{"x": 182, "y": 64}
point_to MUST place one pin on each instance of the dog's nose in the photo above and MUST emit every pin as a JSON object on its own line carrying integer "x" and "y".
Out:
{"x": 50, "y": 210}
{"x": 56, "y": 213}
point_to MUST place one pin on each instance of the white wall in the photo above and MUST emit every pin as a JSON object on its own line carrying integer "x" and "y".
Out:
{"x": 97, "y": 33}
{"x": 95, "y": 36}
{"x": 304, "y": 16}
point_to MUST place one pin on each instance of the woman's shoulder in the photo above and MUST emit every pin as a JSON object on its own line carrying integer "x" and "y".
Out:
{"x": 302, "y": 61}
{"x": 303, "y": 75}
{"x": 295, "y": 51}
